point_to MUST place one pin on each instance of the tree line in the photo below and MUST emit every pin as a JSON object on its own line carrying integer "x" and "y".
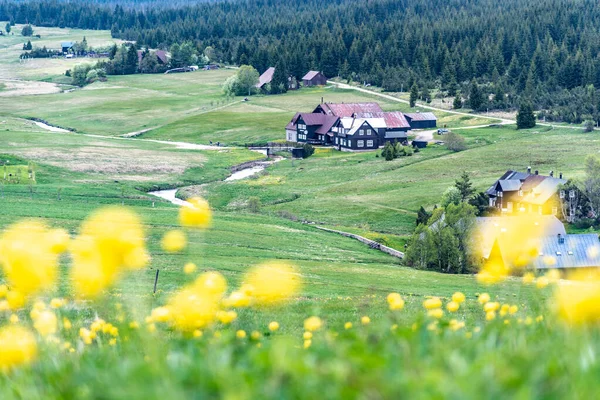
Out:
{"x": 547, "y": 52}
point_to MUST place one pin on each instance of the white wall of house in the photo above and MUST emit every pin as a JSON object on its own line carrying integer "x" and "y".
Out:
{"x": 291, "y": 135}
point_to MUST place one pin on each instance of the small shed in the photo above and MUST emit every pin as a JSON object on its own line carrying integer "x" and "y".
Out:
{"x": 420, "y": 144}
{"x": 314, "y": 78}
{"x": 66, "y": 46}
{"x": 298, "y": 152}
{"x": 421, "y": 120}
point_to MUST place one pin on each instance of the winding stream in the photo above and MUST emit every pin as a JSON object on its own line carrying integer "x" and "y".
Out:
{"x": 244, "y": 173}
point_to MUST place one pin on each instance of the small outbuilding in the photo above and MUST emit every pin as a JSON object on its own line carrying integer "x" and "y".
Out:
{"x": 421, "y": 120}
{"x": 66, "y": 46}
{"x": 314, "y": 78}
{"x": 420, "y": 144}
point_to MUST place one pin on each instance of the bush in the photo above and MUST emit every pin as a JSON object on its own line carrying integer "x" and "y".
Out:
{"x": 455, "y": 142}
{"x": 588, "y": 125}
{"x": 27, "y": 30}
{"x": 309, "y": 150}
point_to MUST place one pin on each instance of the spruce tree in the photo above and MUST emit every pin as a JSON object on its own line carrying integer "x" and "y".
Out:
{"x": 279, "y": 83}
{"x": 464, "y": 186}
{"x": 457, "y": 102}
{"x": 414, "y": 95}
{"x": 475, "y": 97}
{"x": 525, "y": 116}
{"x": 422, "y": 216}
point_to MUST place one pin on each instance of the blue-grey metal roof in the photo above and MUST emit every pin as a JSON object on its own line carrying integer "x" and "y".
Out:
{"x": 66, "y": 44}
{"x": 577, "y": 251}
{"x": 511, "y": 185}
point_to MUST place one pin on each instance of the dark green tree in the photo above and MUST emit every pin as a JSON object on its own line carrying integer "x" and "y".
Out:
{"x": 475, "y": 97}
{"x": 131, "y": 62}
{"x": 8, "y": 27}
{"x": 457, "y": 103}
{"x": 414, "y": 95}
{"x": 465, "y": 186}
{"x": 27, "y": 30}
{"x": 422, "y": 216}
{"x": 388, "y": 151}
{"x": 525, "y": 116}
{"x": 279, "y": 83}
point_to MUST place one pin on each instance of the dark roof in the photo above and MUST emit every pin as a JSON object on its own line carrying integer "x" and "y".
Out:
{"x": 421, "y": 116}
{"x": 393, "y": 119}
{"x": 510, "y": 185}
{"x": 313, "y": 118}
{"x": 349, "y": 109}
{"x": 292, "y": 123}
{"x": 577, "y": 251}
{"x": 266, "y": 77}
{"x": 310, "y": 75}
{"x": 328, "y": 122}
{"x": 539, "y": 188}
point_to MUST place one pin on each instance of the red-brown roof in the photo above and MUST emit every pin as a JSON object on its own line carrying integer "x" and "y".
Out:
{"x": 266, "y": 77}
{"x": 328, "y": 123}
{"x": 349, "y": 109}
{"x": 393, "y": 119}
{"x": 292, "y": 123}
{"x": 160, "y": 54}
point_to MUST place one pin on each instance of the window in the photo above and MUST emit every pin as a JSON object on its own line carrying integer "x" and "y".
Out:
{"x": 369, "y": 143}
{"x": 361, "y": 132}
{"x": 368, "y": 131}
{"x": 360, "y": 143}
{"x": 336, "y": 140}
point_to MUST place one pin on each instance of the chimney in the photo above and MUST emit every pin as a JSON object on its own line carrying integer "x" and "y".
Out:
{"x": 560, "y": 175}
{"x": 321, "y": 100}
{"x": 537, "y": 172}
{"x": 561, "y": 239}
{"x": 552, "y": 174}
{"x": 529, "y": 170}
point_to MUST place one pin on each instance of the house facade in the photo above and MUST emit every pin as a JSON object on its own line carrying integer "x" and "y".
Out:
{"x": 421, "y": 120}
{"x": 314, "y": 78}
{"x": 526, "y": 192}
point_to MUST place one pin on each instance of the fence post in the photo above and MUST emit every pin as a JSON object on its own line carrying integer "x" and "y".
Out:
{"x": 156, "y": 280}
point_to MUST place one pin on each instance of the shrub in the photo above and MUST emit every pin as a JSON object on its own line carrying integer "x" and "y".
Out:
{"x": 455, "y": 142}
{"x": 309, "y": 150}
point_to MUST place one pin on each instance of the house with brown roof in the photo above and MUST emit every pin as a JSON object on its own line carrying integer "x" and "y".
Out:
{"x": 161, "y": 55}
{"x": 314, "y": 78}
{"x": 347, "y": 109}
{"x": 267, "y": 77}
{"x": 524, "y": 192}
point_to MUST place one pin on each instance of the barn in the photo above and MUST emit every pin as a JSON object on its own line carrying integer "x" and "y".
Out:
{"x": 421, "y": 120}
{"x": 314, "y": 78}
{"x": 66, "y": 46}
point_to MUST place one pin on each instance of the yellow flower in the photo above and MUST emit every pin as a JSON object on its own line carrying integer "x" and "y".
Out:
{"x": 273, "y": 326}
{"x": 578, "y": 300}
{"x": 255, "y": 335}
{"x": 28, "y": 257}
{"x": 189, "y": 268}
{"x": 307, "y": 344}
{"x": 67, "y": 324}
{"x": 541, "y": 282}
{"x": 452, "y": 306}
{"x": 313, "y": 324}
{"x": 14, "y": 318}
{"x": 432, "y": 303}
{"x": 458, "y": 297}
{"x": 3, "y": 291}
{"x": 173, "y": 241}
{"x": 348, "y": 325}
{"x": 110, "y": 240}
{"x": 86, "y": 335}
{"x": 112, "y": 342}
{"x": 456, "y": 325}
{"x": 197, "y": 333}
{"x": 4, "y": 306}
{"x": 134, "y": 325}
{"x": 151, "y": 328}
{"x": 18, "y": 347}
{"x": 15, "y": 300}
{"x": 528, "y": 278}
{"x": 237, "y": 299}
{"x": 483, "y": 298}
{"x": 513, "y": 309}
{"x": 198, "y": 215}
{"x": 504, "y": 310}
{"x": 490, "y": 315}
{"x": 395, "y": 301}
{"x": 160, "y": 314}
{"x": 272, "y": 283}
{"x": 365, "y": 320}
{"x": 240, "y": 334}
{"x": 436, "y": 313}
{"x": 539, "y": 318}
{"x": 212, "y": 283}
{"x": 491, "y": 306}
{"x": 59, "y": 240}
{"x": 226, "y": 317}
{"x": 57, "y": 303}
{"x": 307, "y": 335}
{"x": 553, "y": 276}
{"x": 46, "y": 323}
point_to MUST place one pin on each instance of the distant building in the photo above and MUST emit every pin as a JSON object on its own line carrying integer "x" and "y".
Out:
{"x": 66, "y": 46}
{"x": 348, "y": 126}
{"x": 421, "y": 120}
{"x": 265, "y": 78}
{"x": 569, "y": 251}
{"x": 517, "y": 192}
{"x": 161, "y": 55}
{"x": 314, "y": 78}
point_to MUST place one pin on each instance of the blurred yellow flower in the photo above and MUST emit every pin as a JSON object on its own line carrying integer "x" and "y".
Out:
{"x": 578, "y": 300}
{"x": 67, "y": 324}
{"x": 15, "y": 300}
{"x": 513, "y": 309}
{"x": 365, "y": 320}
{"x": 491, "y": 306}
{"x": 197, "y": 333}
{"x": 46, "y": 323}
{"x": 312, "y": 324}
{"x": 226, "y": 317}
{"x": 495, "y": 269}
{"x": 348, "y": 325}
{"x": 528, "y": 278}
{"x": 160, "y": 314}
{"x": 111, "y": 239}
{"x": 434, "y": 302}
{"x": 456, "y": 325}
{"x": 3, "y": 291}
{"x": 173, "y": 241}
{"x": 307, "y": 335}
{"x": 189, "y": 268}
{"x": 272, "y": 283}
{"x": 198, "y": 215}
{"x": 193, "y": 307}
{"x": 86, "y": 335}
{"x": 240, "y": 334}
{"x": 212, "y": 283}
{"x": 395, "y": 301}
{"x": 18, "y": 345}
{"x": 458, "y": 297}
{"x": 436, "y": 313}
{"x": 134, "y": 325}
{"x": 553, "y": 276}
{"x": 29, "y": 257}
{"x": 57, "y": 303}
{"x": 273, "y": 326}
{"x": 255, "y": 335}
{"x": 307, "y": 344}
{"x": 237, "y": 299}
{"x": 59, "y": 240}
{"x": 14, "y": 318}
{"x": 490, "y": 315}
{"x": 504, "y": 310}
{"x": 541, "y": 282}
{"x": 483, "y": 298}
{"x": 452, "y": 306}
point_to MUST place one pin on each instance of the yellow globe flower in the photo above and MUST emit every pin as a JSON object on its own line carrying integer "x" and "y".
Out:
{"x": 192, "y": 308}
{"x": 161, "y": 314}
{"x": 198, "y": 215}
{"x": 307, "y": 344}
{"x": 395, "y": 301}
{"x": 365, "y": 320}
{"x": 57, "y": 303}
{"x": 490, "y": 315}
{"x": 272, "y": 283}
{"x": 432, "y": 303}
{"x": 240, "y": 334}
{"x": 28, "y": 257}
{"x": 18, "y": 345}
{"x": 504, "y": 310}
{"x": 553, "y": 276}
{"x": 528, "y": 278}
{"x": 15, "y": 300}
{"x": 189, "y": 268}
{"x": 307, "y": 335}
{"x": 452, "y": 306}
{"x": 212, "y": 283}
{"x": 435, "y": 313}
{"x": 483, "y": 298}
{"x": 14, "y": 318}
{"x": 255, "y": 335}
{"x": 578, "y": 300}
{"x": 173, "y": 241}
{"x": 3, "y": 291}
{"x": 46, "y": 323}
{"x": 313, "y": 324}
{"x": 273, "y": 326}
{"x": 237, "y": 299}
{"x": 348, "y": 325}
{"x": 226, "y": 317}
{"x": 59, "y": 240}
{"x": 458, "y": 297}
{"x": 513, "y": 309}
{"x": 541, "y": 282}
{"x": 491, "y": 306}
